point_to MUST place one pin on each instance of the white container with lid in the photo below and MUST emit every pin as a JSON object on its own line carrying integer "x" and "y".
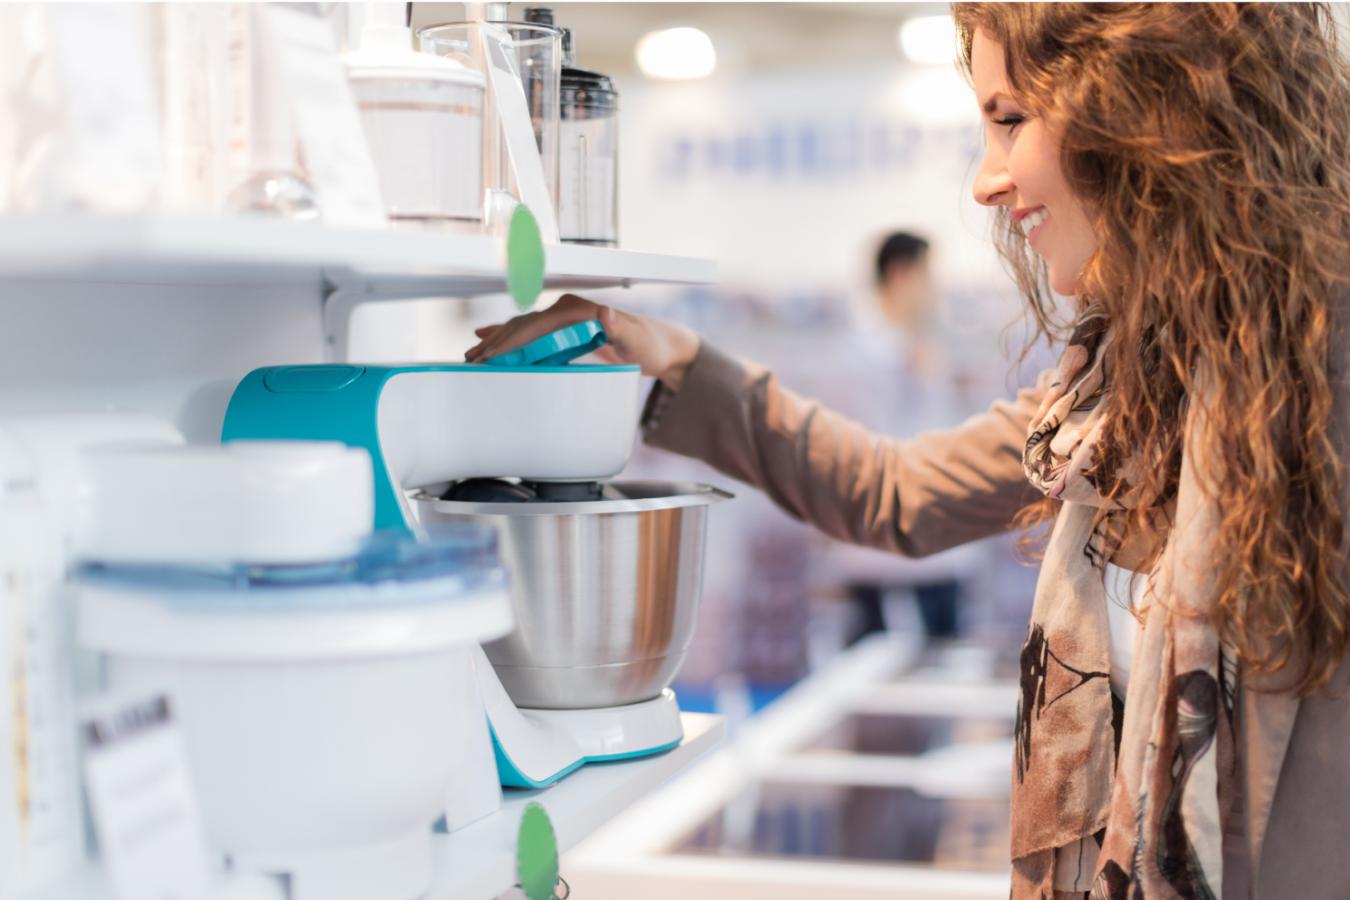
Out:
{"x": 423, "y": 117}
{"x": 251, "y": 501}
{"x": 328, "y": 707}
{"x": 44, "y": 507}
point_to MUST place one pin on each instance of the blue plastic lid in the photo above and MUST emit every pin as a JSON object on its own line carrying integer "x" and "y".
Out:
{"x": 391, "y": 569}
{"x": 557, "y": 348}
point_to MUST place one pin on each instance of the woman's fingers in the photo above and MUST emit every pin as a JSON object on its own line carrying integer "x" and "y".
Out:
{"x": 513, "y": 334}
{"x": 497, "y": 339}
{"x": 620, "y": 329}
{"x": 664, "y": 350}
{"x": 490, "y": 343}
{"x": 609, "y": 356}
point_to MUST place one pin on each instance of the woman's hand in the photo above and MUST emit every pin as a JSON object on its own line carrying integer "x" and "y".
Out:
{"x": 663, "y": 349}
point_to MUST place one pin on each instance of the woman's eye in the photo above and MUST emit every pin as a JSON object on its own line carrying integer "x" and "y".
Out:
{"x": 1011, "y": 121}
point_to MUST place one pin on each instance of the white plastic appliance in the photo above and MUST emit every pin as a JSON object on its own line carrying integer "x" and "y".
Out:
{"x": 423, "y": 118}
{"x": 534, "y": 417}
{"x": 323, "y": 680}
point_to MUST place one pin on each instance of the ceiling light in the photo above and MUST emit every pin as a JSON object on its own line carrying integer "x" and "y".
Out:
{"x": 929, "y": 40}
{"x": 676, "y": 53}
{"x": 937, "y": 97}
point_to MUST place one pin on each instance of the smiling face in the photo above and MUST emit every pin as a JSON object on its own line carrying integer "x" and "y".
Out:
{"x": 1021, "y": 171}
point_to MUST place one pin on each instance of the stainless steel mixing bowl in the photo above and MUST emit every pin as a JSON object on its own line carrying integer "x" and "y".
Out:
{"x": 605, "y": 592}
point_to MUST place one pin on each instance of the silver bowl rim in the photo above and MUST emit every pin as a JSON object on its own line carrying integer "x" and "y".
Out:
{"x": 668, "y": 495}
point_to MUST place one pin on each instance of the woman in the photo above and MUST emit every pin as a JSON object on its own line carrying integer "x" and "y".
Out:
{"x": 1179, "y": 171}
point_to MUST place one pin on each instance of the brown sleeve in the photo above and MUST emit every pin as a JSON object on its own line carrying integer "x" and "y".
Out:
{"x": 913, "y": 497}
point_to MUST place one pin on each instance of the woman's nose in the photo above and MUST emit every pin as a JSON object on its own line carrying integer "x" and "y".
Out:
{"x": 993, "y": 184}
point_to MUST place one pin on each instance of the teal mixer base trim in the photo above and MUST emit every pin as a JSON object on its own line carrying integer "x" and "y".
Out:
{"x": 511, "y": 776}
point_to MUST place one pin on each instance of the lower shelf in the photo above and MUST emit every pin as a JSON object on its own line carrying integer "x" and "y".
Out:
{"x": 478, "y": 861}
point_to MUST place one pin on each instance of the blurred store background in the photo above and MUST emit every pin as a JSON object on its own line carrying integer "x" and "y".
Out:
{"x": 787, "y": 141}
{"x": 196, "y": 185}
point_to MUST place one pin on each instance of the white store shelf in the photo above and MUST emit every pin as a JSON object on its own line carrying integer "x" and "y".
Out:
{"x": 233, "y": 249}
{"x": 478, "y": 861}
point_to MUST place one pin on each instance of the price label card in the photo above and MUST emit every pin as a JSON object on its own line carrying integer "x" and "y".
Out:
{"x": 331, "y": 134}
{"x": 145, "y": 812}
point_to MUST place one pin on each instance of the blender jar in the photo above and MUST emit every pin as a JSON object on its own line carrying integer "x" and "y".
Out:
{"x": 588, "y": 155}
{"x": 423, "y": 118}
{"x": 538, "y": 57}
{"x": 588, "y": 196}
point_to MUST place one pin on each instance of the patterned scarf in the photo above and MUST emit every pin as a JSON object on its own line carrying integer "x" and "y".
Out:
{"x": 1119, "y": 800}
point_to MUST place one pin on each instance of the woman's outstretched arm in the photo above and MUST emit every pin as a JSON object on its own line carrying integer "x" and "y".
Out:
{"x": 914, "y": 497}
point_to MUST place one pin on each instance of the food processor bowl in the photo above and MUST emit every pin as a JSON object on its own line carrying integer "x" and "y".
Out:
{"x": 327, "y": 706}
{"x": 604, "y": 592}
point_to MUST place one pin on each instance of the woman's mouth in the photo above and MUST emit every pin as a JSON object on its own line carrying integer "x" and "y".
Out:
{"x": 1032, "y": 223}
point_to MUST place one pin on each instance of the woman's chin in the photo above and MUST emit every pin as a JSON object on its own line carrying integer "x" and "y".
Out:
{"x": 1062, "y": 284}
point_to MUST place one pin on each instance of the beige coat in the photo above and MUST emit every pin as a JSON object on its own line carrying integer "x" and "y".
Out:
{"x": 916, "y": 497}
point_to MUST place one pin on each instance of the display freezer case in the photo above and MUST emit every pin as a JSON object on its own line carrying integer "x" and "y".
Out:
{"x": 887, "y": 774}
{"x": 878, "y": 734}
{"x": 858, "y": 823}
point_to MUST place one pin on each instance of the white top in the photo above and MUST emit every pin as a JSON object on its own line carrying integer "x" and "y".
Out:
{"x": 251, "y": 501}
{"x": 1124, "y": 589}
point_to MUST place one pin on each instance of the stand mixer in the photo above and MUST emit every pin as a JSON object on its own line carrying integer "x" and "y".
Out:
{"x": 605, "y": 576}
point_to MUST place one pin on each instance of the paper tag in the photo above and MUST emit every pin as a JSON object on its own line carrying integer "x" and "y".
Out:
{"x": 145, "y": 812}
{"x": 514, "y": 114}
{"x": 334, "y": 142}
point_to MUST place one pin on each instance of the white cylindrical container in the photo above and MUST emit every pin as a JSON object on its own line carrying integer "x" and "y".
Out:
{"x": 282, "y": 502}
{"x": 538, "y": 62}
{"x": 423, "y": 118}
{"x": 588, "y": 168}
{"x": 322, "y": 708}
{"x": 324, "y": 704}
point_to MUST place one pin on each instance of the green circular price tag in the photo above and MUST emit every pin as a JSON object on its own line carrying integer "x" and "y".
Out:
{"x": 524, "y": 258}
{"x": 537, "y": 854}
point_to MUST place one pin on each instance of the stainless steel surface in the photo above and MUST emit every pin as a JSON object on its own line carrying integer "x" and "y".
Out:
{"x": 605, "y": 592}
{"x": 615, "y": 497}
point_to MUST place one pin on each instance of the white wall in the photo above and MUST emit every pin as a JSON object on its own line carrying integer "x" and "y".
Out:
{"x": 172, "y": 350}
{"x": 787, "y": 179}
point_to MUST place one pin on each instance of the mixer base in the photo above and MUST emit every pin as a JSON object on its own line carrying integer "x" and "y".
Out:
{"x": 619, "y": 732}
{"x": 568, "y": 688}
{"x": 536, "y": 747}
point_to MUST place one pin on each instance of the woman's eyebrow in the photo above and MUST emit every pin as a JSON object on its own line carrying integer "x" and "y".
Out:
{"x": 992, "y": 103}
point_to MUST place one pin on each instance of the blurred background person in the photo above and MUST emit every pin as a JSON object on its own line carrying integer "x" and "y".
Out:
{"x": 915, "y": 388}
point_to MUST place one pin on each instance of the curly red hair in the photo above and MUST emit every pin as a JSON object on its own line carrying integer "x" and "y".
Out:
{"x": 1211, "y": 145}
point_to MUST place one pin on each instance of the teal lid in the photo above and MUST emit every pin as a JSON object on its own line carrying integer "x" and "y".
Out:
{"x": 556, "y": 349}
